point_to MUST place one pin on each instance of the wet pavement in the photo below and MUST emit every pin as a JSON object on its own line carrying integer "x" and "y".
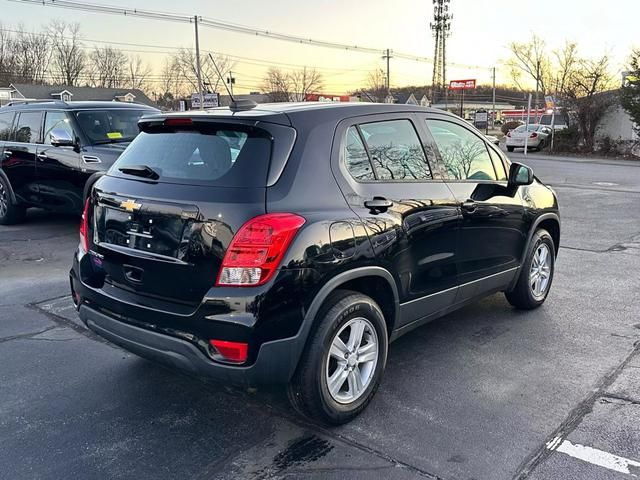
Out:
{"x": 484, "y": 393}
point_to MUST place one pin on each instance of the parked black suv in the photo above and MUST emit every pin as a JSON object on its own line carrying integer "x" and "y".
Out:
{"x": 48, "y": 150}
{"x": 290, "y": 243}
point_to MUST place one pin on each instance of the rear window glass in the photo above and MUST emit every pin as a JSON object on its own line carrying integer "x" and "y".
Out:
{"x": 224, "y": 157}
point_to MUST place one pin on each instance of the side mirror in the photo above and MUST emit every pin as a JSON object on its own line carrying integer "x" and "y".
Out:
{"x": 520, "y": 174}
{"x": 61, "y": 138}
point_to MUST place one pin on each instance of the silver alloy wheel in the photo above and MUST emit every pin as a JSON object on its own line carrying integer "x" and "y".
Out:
{"x": 540, "y": 272}
{"x": 352, "y": 360}
{"x": 4, "y": 201}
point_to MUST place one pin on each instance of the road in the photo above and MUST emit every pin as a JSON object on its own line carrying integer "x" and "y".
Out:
{"x": 484, "y": 393}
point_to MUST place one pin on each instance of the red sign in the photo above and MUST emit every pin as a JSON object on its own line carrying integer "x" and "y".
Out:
{"x": 462, "y": 84}
{"x": 522, "y": 114}
{"x": 323, "y": 97}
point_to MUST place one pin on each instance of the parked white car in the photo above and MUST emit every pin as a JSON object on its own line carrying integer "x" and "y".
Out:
{"x": 538, "y": 137}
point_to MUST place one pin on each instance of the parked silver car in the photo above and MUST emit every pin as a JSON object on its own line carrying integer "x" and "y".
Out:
{"x": 538, "y": 137}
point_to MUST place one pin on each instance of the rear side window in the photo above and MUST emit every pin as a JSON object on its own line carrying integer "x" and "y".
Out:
{"x": 223, "y": 157}
{"x": 463, "y": 153}
{"x": 28, "y": 127}
{"x": 6, "y": 119}
{"x": 356, "y": 157}
{"x": 395, "y": 151}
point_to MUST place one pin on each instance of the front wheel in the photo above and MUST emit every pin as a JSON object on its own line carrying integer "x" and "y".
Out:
{"x": 510, "y": 149}
{"x": 536, "y": 273}
{"x": 344, "y": 359}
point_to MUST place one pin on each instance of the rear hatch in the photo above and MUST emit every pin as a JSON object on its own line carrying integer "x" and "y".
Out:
{"x": 167, "y": 210}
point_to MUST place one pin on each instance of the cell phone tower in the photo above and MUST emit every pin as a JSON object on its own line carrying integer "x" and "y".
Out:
{"x": 440, "y": 29}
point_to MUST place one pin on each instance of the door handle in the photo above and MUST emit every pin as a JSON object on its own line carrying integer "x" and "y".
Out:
{"x": 378, "y": 204}
{"x": 469, "y": 207}
{"x": 42, "y": 156}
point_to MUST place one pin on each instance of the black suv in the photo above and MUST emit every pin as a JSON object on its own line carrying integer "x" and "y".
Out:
{"x": 48, "y": 150}
{"x": 290, "y": 243}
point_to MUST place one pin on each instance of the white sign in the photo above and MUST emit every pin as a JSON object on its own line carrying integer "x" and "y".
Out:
{"x": 210, "y": 100}
{"x": 482, "y": 117}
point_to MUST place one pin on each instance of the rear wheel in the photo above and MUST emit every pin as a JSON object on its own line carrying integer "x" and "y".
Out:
{"x": 9, "y": 213}
{"x": 342, "y": 365}
{"x": 536, "y": 274}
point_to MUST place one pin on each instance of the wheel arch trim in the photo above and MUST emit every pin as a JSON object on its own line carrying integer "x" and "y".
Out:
{"x": 534, "y": 226}
{"x": 333, "y": 284}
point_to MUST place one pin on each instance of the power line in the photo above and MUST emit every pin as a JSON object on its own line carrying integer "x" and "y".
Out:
{"x": 220, "y": 25}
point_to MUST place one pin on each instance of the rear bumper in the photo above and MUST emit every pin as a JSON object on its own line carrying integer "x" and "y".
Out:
{"x": 179, "y": 336}
{"x": 275, "y": 363}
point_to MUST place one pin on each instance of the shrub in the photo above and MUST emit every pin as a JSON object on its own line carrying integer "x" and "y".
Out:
{"x": 567, "y": 140}
{"x": 510, "y": 125}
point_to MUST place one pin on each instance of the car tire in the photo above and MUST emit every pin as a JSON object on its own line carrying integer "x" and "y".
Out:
{"x": 536, "y": 274}
{"x": 325, "y": 386}
{"x": 10, "y": 213}
{"x": 510, "y": 149}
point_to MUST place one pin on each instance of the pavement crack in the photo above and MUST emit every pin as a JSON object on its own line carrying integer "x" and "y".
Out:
{"x": 27, "y": 335}
{"x": 618, "y": 399}
{"x": 575, "y": 417}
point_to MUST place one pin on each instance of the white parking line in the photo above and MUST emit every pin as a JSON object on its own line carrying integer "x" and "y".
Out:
{"x": 593, "y": 456}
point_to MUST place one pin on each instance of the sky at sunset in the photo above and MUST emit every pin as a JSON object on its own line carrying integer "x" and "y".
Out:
{"x": 481, "y": 31}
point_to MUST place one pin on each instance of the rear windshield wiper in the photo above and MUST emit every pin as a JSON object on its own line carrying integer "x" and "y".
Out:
{"x": 140, "y": 171}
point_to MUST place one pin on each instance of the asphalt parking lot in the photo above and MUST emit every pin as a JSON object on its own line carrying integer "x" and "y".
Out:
{"x": 485, "y": 393}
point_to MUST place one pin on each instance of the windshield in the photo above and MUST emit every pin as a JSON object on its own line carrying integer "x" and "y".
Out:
{"x": 110, "y": 126}
{"x": 223, "y": 157}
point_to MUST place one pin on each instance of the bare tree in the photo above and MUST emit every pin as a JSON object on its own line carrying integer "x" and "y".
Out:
{"x": 137, "y": 73}
{"x": 567, "y": 61}
{"x": 532, "y": 60}
{"x": 108, "y": 67}
{"x": 69, "y": 60}
{"x": 186, "y": 64}
{"x": 587, "y": 95}
{"x": 277, "y": 85}
{"x": 304, "y": 81}
{"x": 376, "y": 87}
{"x": 32, "y": 54}
{"x": 8, "y": 58}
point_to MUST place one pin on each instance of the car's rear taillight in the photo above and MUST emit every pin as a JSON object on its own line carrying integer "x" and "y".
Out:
{"x": 257, "y": 249}
{"x": 533, "y": 135}
{"x": 84, "y": 228}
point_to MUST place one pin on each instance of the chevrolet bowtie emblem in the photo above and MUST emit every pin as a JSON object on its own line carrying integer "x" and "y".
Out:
{"x": 130, "y": 205}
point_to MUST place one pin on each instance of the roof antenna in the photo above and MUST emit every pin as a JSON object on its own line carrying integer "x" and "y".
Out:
{"x": 235, "y": 105}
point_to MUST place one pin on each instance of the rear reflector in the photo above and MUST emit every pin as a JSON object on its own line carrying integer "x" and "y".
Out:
{"x": 84, "y": 228}
{"x": 178, "y": 122}
{"x": 257, "y": 249}
{"x": 232, "y": 351}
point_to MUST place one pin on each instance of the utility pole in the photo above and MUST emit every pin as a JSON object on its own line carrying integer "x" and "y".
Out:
{"x": 493, "y": 111}
{"x": 198, "y": 67}
{"x": 387, "y": 57}
{"x": 440, "y": 29}
{"x": 231, "y": 81}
